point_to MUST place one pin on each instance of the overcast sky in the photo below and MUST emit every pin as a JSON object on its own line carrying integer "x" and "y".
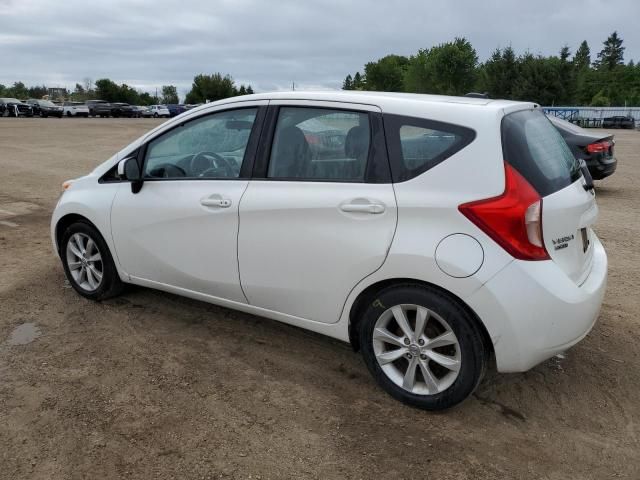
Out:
{"x": 269, "y": 44}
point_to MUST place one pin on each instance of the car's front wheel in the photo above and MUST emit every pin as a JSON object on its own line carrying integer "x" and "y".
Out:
{"x": 88, "y": 264}
{"x": 422, "y": 347}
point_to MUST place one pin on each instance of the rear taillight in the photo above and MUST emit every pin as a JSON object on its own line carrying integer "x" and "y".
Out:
{"x": 598, "y": 147}
{"x": 514, "y": 219}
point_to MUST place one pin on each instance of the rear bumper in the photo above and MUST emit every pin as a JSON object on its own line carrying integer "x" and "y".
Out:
{"x": 602, "y": 169}
{"x": 540, "y": 310}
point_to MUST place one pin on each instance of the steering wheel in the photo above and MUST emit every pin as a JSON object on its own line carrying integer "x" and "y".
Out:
{"x": 167, "y": 170}
{"x": 205, "y": 162}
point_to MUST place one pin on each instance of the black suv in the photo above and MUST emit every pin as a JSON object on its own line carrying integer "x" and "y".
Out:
{"x": 99, "y": 108}
{"x": 618, "y": 121}
{"x": 12, "y": 107}
{"x": 45, "y": 108}
{"x": 122, "y": 110}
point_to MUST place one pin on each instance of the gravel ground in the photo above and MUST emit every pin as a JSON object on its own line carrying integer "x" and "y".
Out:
{"x": 151, "y": 385}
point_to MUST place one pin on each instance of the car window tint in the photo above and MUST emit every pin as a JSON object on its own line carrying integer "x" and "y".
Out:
{"x": 421, "y": 145}
{"x": 416, "y": 145}
{"x": 209, "y": 147}
{"x": 535, "y": 148}
{"x": 320, "y": 144}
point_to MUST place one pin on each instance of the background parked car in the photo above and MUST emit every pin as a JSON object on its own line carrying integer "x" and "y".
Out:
{"x": 138, "y": 110}
{"x": 75, "y": 109}
{"x": 157, "y": 111}
{"x": 595, "y": 148}
{"x": 176, "y": 109}
{"x": 45, "y": 108}
{"x": 618, "y": 121}
{"x": 12, "y": 107}
{"x": 121, "y": 110}
{"x": 99, "y": 108}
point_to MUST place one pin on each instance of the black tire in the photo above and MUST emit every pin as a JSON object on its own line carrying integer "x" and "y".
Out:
{"x": 110, "y": 285}
{"x": 472, "y": 351}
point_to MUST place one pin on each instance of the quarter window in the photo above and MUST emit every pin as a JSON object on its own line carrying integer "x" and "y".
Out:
{"x": 320, "y": 144}
{"x": 416, "y": 145}
{"x": 209, "y": 147}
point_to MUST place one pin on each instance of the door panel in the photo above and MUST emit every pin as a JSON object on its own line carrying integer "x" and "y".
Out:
{"x": 301, "y": 253}
{"x": 316, "y": 223}
{"x": 181, "y": 228}
{"x": 181, "y": 233}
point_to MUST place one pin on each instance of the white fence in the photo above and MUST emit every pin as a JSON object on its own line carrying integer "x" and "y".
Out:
{"x": 593, "y": 113}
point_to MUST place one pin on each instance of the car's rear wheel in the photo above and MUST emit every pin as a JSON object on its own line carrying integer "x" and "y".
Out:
{"x": 87, "y": 262}
{"x": 422, "y": 347}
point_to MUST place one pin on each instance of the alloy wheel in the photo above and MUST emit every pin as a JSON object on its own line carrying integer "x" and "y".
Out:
{"x": 416, "y": 349}
{"x": 84, "y": 261}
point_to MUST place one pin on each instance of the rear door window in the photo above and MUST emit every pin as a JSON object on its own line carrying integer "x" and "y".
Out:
{"x": 535, "y": 148}
{"x": 416, "y": 145}
{"x": 320, "y": 144}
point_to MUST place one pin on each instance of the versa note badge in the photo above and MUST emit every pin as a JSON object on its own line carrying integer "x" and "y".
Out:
{"x": 562, "y": 242}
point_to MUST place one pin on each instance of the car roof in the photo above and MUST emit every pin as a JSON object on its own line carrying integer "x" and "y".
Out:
{"x": 376, "y": 98}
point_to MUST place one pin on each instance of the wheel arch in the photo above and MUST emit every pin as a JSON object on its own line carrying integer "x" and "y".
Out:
{"x": 369, "y": 294}
{"x": 65, "y": 221}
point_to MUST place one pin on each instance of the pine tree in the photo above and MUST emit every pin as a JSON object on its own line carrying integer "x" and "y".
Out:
{"x": 612, "y": 54}
{"x": 582, "y": 58}
{"x": 358, "y": 82}
{"x": 348, "y": 83}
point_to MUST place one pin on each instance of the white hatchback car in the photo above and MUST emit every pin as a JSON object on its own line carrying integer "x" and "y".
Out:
{"x": 157, "y": 111}
{"x": 430, "y": 232}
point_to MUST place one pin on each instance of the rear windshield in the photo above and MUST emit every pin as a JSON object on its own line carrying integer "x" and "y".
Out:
{"x": 533, "y": 146}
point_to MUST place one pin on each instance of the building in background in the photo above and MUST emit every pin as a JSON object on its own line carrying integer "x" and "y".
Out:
{"x": 57, "y": 93}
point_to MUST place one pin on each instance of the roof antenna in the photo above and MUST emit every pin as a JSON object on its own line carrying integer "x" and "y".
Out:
{"x": 293, "y": 86}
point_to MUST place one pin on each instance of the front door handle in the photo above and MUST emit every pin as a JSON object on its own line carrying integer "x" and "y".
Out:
{"x": 215, "y": 201}
{"x": 373, "y": 208}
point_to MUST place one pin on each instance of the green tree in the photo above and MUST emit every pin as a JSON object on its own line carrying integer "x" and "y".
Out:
{"x": 448, "y": 68}
{"x": 107, "y": 90}
{"x": 600, "y": 100}
{"x": 18, "y": 90}
{"x": 582, "y": 58}
{"x": 567, "y": 78}
{"x": 498, "y": 75}
{"x": 348, "y": 83}
{"x": 539, "y": 80}
{"x": 242, "y": 90}
{"x": 169, "y": 94}
{"x": 37, "y": 91}
{"x": 386, "y": 74}
{"x": 358, "y": 82}
{"x": 612, "y": 54}
{"x": 210, "y": 88}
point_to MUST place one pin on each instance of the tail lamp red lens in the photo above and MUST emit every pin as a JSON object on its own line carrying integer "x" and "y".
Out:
{"x": 598, "y": 147}
{"x": 513, "y": 220}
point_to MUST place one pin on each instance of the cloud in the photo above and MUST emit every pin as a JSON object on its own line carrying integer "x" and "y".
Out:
{"x": 147, "y": 44}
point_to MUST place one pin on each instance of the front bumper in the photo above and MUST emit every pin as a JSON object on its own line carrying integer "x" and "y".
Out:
{"x": 538, "y": 311}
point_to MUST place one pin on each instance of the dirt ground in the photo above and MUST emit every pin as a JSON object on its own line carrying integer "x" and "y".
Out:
{"x": 154, "y": 386}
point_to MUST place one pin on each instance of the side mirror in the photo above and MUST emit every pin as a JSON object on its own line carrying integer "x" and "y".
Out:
{"x": 128, "y": 169}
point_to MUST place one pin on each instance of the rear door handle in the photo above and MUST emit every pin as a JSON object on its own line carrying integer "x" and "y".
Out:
{"x": 215, "y": 201}
{"x": 373, "y": 208}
